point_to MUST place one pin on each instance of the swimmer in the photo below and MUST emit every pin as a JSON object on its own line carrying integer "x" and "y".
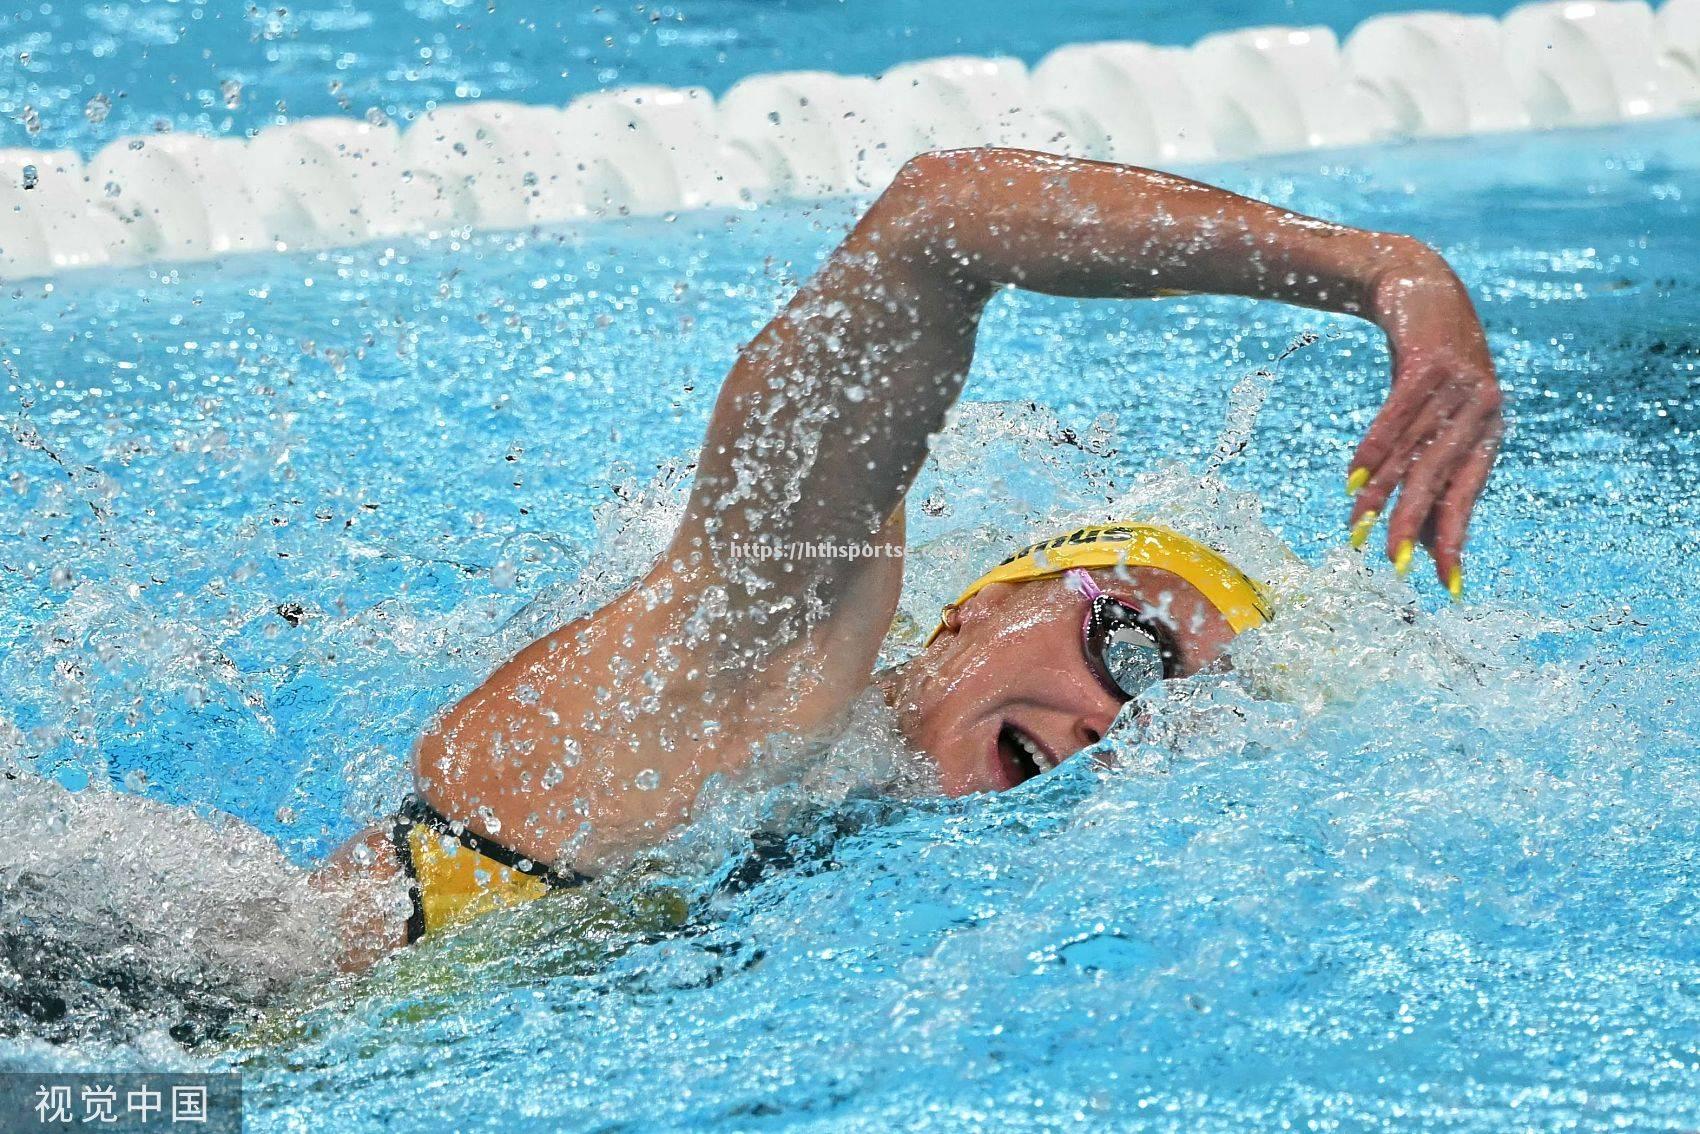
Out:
{"x": 593, "y": 742}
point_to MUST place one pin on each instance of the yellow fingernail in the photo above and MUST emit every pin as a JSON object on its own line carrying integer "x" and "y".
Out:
{"x": 1356, "y": 481}
{"x": 1361, "y": 529}
{"x": 1402, "y": 557}
{"x": 1455, "y": 583}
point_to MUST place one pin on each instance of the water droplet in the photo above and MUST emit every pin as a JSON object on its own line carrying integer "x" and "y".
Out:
{"x": 489, "y": 820}
{"x": 97, "y": 108}
{"x": 286, "y": 815}
{"x": 62, "y": 576}
{"x": 31, "y": 118}
{"x": 135, "y": 780}
{"x": 231, "y": 91}
{"x": 32, "y": 177}
{"x": 377, "y": 117}
{"x": 647, "y": 780}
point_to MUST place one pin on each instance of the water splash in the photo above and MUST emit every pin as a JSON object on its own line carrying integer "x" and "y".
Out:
{"x": 125, "y": 918}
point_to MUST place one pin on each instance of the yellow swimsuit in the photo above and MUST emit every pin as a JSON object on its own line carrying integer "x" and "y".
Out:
{"x": 454, "y": 875}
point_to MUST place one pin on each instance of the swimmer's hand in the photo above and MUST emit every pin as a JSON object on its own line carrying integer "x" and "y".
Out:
{"x": 1436, "y": 437}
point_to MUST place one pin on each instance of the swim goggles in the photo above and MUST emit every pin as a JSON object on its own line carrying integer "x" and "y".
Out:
{"x": 1127, "y": 652}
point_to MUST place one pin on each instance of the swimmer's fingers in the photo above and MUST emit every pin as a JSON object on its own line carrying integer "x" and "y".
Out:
{"x": 1421, "y": 513}
{"x": 1407, "y": 432}
{"x": 1451, "y": 515}
{"x": 1445, "y": 400}
{"x": 1387, "y": 437}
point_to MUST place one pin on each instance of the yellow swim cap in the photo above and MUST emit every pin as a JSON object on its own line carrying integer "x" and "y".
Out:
{"x": 1241, "y": 600}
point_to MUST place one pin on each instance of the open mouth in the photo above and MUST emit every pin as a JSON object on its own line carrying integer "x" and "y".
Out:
{"x": 1021, "y": 756}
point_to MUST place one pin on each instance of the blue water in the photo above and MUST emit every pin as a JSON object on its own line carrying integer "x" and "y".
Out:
{"x": 229, "y": 68}
{"x": 1436, "y": 872}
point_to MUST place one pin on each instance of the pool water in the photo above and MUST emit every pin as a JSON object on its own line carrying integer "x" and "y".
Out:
{"x": 1413, "y": 866}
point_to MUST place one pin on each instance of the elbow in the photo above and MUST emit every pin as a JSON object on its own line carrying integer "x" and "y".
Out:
{"x": 1405, "y": 253}
{"x": 923, "y": 190}
{"x": 938, "y": 180}
{"x": 932, "y": 169}
{"x": 921, "y": 210}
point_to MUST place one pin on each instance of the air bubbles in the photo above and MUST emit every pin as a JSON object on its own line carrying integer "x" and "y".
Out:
{"x": 31, "y": 118}
{"x": 230, "y": 90}
{"x": 647, "y": 780}
{"x": 97, "y": 108}
{"x": 32, "y": 176}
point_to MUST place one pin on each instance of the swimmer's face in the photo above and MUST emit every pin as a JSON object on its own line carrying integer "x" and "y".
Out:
{"x": 1007, "y": 691}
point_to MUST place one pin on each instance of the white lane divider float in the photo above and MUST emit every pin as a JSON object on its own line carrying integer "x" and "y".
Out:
{"x": 1679, "y": 41}
{"x": 1585, "y": 63}
{"x": 651, "y": 150}
{"x": 804, "y": 134}
{"x": 1273, "y": 90}
{"x": 1127, "y": 102}
{"x": 1438, "y": 74}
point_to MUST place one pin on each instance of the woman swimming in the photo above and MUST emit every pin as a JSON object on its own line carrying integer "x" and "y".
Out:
{"x": 594, "y": 741}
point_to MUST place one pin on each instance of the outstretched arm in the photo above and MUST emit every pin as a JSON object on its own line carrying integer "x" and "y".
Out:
{"x": 820, "y": 429}
{"x": 825, "y": 419}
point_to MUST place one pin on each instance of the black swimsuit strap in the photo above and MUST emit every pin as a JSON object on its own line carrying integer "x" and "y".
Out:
{"x": 404, "y": 855}
{"x": 416, "y": 812}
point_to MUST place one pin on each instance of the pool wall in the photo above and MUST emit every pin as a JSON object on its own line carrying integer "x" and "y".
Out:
{"x": 652, "y": 150}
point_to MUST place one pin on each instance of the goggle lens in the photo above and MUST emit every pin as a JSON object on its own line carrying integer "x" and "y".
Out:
{"x": 1128, "y": 654}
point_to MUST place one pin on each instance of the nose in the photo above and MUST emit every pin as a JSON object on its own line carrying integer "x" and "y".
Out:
{"x": 1090, "y": 729}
